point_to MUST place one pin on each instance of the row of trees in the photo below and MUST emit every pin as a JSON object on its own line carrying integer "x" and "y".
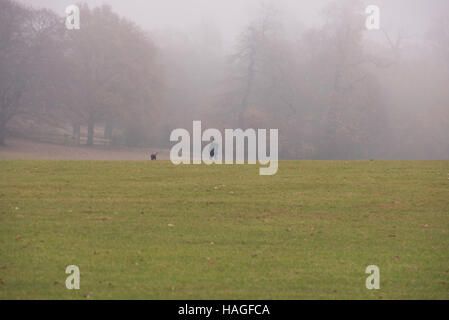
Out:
{"x": 105, "y": 73}
{"x": 333, "y": 91}
{"x": 323, "y": 90}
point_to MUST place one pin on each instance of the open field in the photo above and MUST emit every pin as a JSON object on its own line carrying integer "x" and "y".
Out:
{"x": 26, "y": 149}
{"x": 152, "y": 230}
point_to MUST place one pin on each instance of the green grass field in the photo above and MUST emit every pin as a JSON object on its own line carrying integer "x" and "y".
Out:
{"x": 152, "y": 230}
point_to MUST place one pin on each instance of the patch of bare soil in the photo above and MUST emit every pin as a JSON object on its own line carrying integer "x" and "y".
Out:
{"x": 18, "y": 148}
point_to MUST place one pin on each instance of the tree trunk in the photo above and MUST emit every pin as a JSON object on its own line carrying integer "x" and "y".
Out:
{"x": 108, "y": 131}
{"x": 2, "y": 133}
{"x": 76, "y": 133}
{"x": 90, "y": 132}
{"x": 2, "y": 137}
{"x": 248, "y": 89}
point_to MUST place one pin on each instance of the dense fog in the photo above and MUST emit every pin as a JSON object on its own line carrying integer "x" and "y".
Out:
{"x": 137, "y": 69}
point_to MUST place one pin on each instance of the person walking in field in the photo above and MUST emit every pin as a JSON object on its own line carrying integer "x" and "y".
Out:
{"x": 213, "y": 149}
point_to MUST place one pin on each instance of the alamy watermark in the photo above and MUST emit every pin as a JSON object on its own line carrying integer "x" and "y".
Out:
{"x": 73, "y": 17}
{"x": 373, "y": 281}
{"x": 212, "y": 153}
{"x": 373, "y": 20}
{"x": 73, "y": 280}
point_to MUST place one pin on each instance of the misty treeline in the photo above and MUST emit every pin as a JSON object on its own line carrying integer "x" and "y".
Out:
{"x": 333, "y": 91}
{"x": 54, "y": 78}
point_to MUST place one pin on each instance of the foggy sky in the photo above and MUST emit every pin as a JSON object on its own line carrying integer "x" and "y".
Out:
{"x": 412, "y": 17}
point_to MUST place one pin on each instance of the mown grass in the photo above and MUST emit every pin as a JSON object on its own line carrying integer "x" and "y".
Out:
{"x": 152, "y": 230}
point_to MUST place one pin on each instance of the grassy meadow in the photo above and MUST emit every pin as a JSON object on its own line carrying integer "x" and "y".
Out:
{"x": 152, "y": 230}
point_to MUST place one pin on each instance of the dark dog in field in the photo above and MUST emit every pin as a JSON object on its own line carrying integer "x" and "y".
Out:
{"x": 154, "y": 155}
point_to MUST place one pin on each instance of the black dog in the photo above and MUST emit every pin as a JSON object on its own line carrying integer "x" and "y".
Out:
{"x": 153, "y": 156}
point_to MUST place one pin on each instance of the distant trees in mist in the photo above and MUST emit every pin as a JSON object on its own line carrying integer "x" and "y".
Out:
{"x": 331, "y": 91}
{"x": 103, "y": 74}
{"x": 27, "y": 43}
